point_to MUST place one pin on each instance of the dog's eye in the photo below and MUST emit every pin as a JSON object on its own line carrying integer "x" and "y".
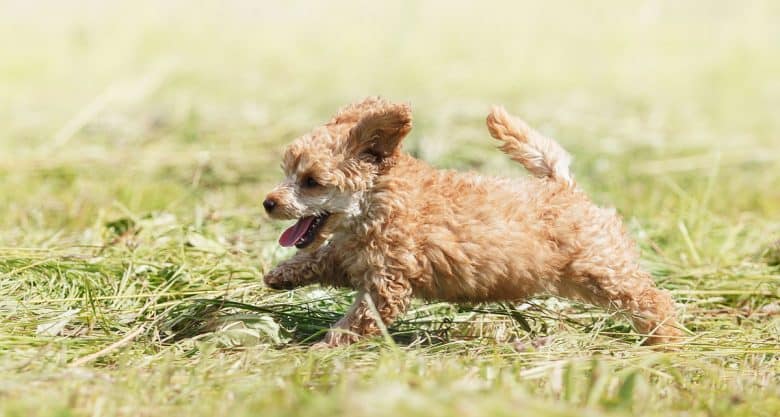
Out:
{"x": 310, "y": 182}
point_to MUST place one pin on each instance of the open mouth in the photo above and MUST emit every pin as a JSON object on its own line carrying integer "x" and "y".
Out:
{"x": 303, "y": 232}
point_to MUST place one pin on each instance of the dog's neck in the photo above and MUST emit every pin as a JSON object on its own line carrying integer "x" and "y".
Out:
{"x": 373, "y": 208}
{"x": 355, "y": 216}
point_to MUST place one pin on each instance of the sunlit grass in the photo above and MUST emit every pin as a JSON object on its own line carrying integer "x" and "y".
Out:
{"x": 138, "y": 139}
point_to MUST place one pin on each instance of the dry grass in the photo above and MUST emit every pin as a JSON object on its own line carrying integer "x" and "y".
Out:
{"x": 139, "y": 138}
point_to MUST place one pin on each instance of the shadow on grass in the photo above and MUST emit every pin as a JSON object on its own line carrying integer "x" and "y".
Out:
{"x": 305, "y": 323}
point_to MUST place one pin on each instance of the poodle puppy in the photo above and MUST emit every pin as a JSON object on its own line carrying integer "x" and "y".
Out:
{"x": 373, "y": 218}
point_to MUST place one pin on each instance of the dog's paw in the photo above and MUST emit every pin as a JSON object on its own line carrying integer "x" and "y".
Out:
{"x": 321, "y": 346}
{"x": 277, "y": 279}
{"x": 339, "y": 337}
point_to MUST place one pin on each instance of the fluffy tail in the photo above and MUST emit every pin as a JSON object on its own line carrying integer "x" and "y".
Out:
{"x": 542, "y": 156}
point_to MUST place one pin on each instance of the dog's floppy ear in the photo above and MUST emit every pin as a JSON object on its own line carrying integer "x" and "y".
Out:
{"x": 379, "y": 132}
{"x": 352, "y": 113}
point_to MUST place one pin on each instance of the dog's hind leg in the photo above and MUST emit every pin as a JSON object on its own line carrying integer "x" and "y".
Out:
{"x": 651, "y": 309}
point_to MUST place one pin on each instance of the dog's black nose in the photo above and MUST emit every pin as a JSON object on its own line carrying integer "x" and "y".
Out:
{"x": 269, "y": 205}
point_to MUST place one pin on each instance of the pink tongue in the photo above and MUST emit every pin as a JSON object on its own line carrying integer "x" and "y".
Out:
{"x": 296, "y": 231}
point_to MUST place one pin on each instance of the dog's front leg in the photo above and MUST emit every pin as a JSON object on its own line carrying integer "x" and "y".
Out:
{"x": 385, "y": 295}
{"x": 306, "y": 268}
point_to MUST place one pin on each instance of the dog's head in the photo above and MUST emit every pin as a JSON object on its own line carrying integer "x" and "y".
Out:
{"x": 330, "y": 171}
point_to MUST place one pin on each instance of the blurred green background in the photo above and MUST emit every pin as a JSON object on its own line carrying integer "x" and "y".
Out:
{"x": 137, "y": 139}
{"x": 148, "y": 91}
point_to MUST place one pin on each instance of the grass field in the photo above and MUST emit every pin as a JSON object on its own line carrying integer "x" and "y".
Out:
{"x": 137, "y": 140}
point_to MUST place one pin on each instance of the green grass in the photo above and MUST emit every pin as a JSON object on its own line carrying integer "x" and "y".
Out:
{"x": 138, "y": 139}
